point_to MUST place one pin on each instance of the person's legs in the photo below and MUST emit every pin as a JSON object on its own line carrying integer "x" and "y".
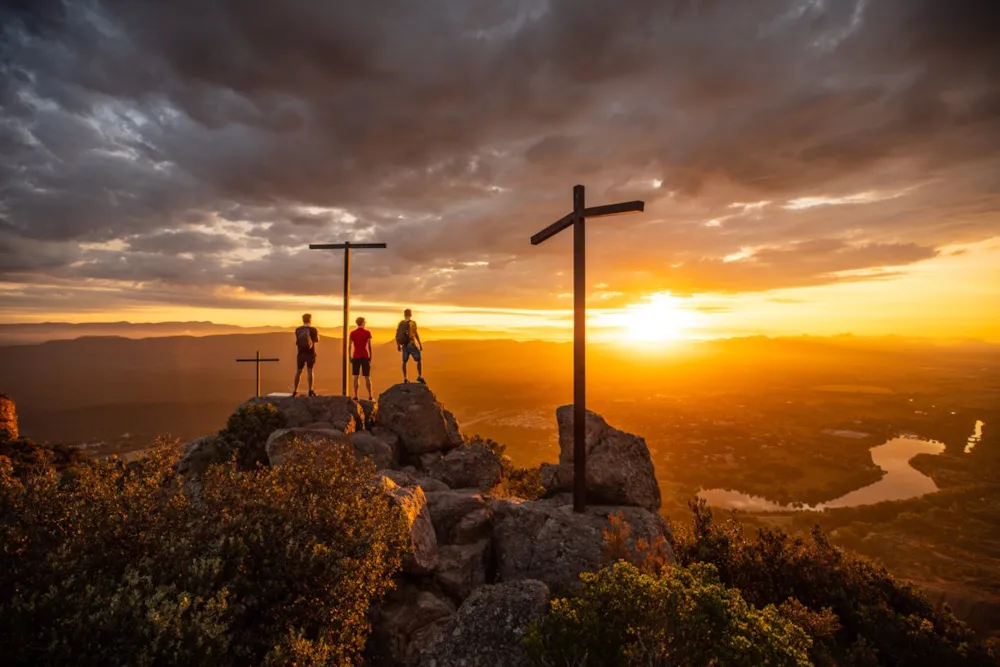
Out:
{"x": 309, "y": 373}
{"x": 406, "y": 357}
{"x": 417, "y": 356}
{"x": 299, "y": 363}
{"x": 368, "y": 384}
{"x": 366, "y": 370}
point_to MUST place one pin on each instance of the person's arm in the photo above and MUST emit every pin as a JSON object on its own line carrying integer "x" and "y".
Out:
{"x": 371, "y": 351}
{"x": 315, "y": 335}
{"x": 416, "y": 336}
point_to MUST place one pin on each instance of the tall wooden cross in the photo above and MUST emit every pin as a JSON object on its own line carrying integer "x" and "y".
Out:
{"x": 258, "y": 360}
{"x": 346, "y": 247}
{"x": 577, "y": 219}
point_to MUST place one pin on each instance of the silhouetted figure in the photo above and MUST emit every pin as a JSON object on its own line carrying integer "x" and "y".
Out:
{"x": 408, "y": 341}
{"x": 361, "y": 356}
{"x": 306, "y": 338}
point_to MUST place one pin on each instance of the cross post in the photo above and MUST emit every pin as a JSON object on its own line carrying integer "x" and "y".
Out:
{"x": 346, "y": 247}
{"x": 258, "y": 360}
{"x": 577, "y": 218}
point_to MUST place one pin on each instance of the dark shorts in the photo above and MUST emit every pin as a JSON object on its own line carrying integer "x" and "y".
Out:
{"x": 305, "y": 359}
{"x": 361, "y": 367}
{"x": 410, "y": 350}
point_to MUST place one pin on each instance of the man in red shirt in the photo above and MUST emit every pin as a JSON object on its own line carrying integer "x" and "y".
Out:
{"x": 361, "y": 356}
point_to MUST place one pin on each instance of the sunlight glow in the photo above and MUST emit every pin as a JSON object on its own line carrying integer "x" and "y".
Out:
{"x": 660, "y": 318}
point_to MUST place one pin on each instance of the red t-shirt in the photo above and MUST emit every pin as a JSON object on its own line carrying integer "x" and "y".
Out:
{"x": 359, "y": 339}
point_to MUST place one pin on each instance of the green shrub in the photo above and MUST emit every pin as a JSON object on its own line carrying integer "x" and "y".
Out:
{"x": 118, "y": 566}
{"x": 857, "y": 612}
{"x": 247, "y": 430}
{"x": 682, "y": 617}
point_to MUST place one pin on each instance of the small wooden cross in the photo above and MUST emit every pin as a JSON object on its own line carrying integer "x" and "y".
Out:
{"x": 258, "y": 360}
{"x": 577, "y": 218}
{"x": 346, "y": 247}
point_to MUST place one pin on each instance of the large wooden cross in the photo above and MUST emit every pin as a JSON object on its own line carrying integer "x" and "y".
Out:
{"x": 258, "y": 360}
{"x": 346, "y": 247}
{"x": 577, "y": 218}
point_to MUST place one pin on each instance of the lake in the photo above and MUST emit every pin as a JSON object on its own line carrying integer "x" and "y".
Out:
{"x": 900, "y": 482}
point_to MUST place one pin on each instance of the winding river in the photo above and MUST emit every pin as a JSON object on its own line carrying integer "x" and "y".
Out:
{"x": 900, "y": 482}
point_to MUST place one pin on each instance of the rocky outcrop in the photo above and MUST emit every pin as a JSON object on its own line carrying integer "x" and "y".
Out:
{"x": 404, "y": 478}
{"x": 619, "y": 468}
{"x": 201, "y": 453}
{"x": 550, "y": 542}
{"x": 462, "y": 568}
{"x": 403, "y": 613}
{"x": 336, "y": 413}
{"x": 278, "y": 442}
{"x": 366, "y": 444}
{"x": 422, "y": 424}
{"x": 421, "y": 555}
{"x": 449, "y": 511}
{"x": 8, "y": 418}
{"x": 469, "y": 466}
{"x": 487, "y": 631}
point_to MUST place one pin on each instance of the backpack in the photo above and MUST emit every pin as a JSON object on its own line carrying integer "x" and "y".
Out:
{"x": 403, "y": 333}
{"x": 303, "y": 340}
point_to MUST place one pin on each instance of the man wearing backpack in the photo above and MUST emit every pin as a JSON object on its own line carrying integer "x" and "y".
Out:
{"x": 408, "y": 341}
{"x": 306, "y": 338}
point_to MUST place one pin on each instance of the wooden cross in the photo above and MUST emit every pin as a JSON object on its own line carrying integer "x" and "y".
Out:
{"x": 258, "y": 361}
{"x": 346, "y": 247}
{"x": 577, "y": 218}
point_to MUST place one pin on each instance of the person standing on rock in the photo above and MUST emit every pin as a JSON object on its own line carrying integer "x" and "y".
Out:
{"x": 361, "y": 356}
{"x": 306, "y": 338}
{"x": 408, "y": 342}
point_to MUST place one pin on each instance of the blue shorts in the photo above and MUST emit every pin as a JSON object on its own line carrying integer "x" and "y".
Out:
{"x": 411, "y": 350}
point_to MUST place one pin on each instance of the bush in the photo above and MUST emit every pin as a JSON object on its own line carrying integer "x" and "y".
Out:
{"x": 857, "y": 612}
{"x": 248, "y": 429}
{"x": 119, "y": 567}
{"x": 524, "y": 483}
{"x": 682, "y": 617}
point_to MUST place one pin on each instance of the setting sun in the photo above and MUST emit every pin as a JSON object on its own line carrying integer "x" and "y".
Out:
{"x": 660, "y": 317}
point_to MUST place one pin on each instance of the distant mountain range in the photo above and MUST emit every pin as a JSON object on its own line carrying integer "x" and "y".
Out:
{"x": 40, "y": 332}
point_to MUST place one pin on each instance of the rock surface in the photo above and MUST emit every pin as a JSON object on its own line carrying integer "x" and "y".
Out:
{"x": 366, "y": 444}
{"x": 404, "y": 612}
{"x": 428, "y": 484}
{"x": 338, "y": 413}
{"x": 8, "y": 418}
{"x": 462, "y": 568}
{"x": 412, "y": 412}
{"x": 450, "y": 508}
{"x": 469, "y": 466}
{"x": 201, "y": 453}
{"x": 422, "y": 550}
{"x": 487, "y": 631}
{"x": 547, "y": 541}
{"x": 619, "y": 469}
{"x": 278, "y": 442}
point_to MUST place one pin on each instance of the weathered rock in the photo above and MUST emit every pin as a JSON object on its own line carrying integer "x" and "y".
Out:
{"x": 462, "y": 568}
{"x": 389, "y": 438}
{"x": 469, "y": 466}
{"x": 340, "y": 412}
{"x": 405, "y": 612}
{"x": 474, "y": 526}
{"x": 201, "y": 453}
{"x": 368, "y": 445}
{"x": 619, "y": 469}
{"x": 413, "y": 413}
{"x": 370, "y": 411}
{"x": 8, "y": 418}
{"x": 487, "y": 631}
{"x": 428, "y": 484}
{"x": 449, "y": 508}
{"x": 278, "y": 442}
{"x": 552, "y": 543}
{"x": 422, "y": 551}
{"x": 427, "y": 461}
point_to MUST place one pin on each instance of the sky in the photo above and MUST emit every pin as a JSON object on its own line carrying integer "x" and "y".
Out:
{"x": 807, "y": 166}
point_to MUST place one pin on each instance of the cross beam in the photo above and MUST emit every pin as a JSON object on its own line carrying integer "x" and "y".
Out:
{"x": 258, "y": 360}
{"x": 346, "y": 247}
{"x": 576, "y": 219}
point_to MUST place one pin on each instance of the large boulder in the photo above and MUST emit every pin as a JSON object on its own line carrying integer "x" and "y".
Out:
{"x": 400, "y": 616}
{"x": 462, "y": 568}
{"x": 421, "y": 555}
{"x": 450, "y": 508}
{"x": 550, "y": 542}
{"x": 279, "y": 441}
{"x": 487, "y": 631}
{"x": 337, "y": 413}
{"x": 402, "y": 478}
{"x": 8, "y": 418}
{"x": 469, "y": 466}
{"x": 412, "y": 412}
{"x": 201, "y": 453}
{"x": 366, "y": 444}
{"x": 619, "y": 469}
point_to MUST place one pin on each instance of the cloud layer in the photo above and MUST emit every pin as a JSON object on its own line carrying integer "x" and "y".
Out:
{"x": 178, "y": 152}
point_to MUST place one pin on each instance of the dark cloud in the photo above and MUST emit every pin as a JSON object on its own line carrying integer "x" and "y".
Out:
{"x": 192, "y": 143}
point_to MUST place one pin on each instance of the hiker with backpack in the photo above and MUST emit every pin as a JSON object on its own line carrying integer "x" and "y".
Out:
{"x": 306, "y": 338}
{"x": 408, "y": 342}
{"x": 361, "y": 356}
